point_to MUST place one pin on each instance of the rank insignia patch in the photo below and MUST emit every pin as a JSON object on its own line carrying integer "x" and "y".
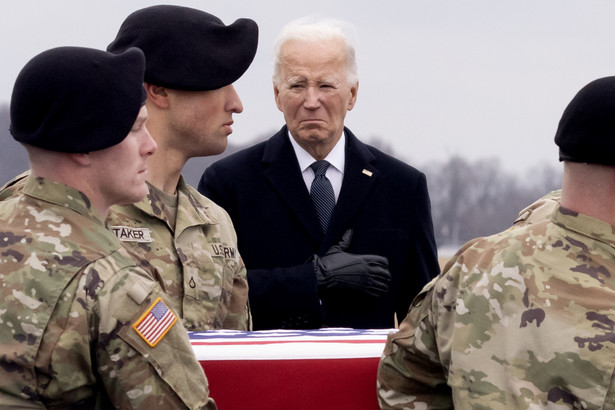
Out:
{"x": 155, "y": 323}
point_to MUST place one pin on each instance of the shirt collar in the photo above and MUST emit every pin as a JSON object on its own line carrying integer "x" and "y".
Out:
{"x": 336, "y": 157}
{"x": 191, "y": 211}
{"x": 62, "y": 195}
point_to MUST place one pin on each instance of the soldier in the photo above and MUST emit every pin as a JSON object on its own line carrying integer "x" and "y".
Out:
{"x": 525, "y": 318}
{"x": 83, "y": 324}
{"x": 192, "y": 61}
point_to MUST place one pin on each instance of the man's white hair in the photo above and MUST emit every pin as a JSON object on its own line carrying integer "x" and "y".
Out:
{"x": 311, "y": 30}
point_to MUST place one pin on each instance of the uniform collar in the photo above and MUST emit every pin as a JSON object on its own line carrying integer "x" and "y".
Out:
{"x": 62, "y": 195}
{"x": 585, "y": 225}
{"x": 187, "y": 198}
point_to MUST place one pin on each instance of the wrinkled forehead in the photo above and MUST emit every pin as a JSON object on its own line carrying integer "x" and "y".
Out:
{"x": 312, "y": 48}
{"x": 312, "y": 58}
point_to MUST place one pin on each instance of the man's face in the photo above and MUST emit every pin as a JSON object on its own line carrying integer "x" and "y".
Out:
{"x": 201, "y": 121}
{"x": 123, "y": 168}
{"x": 313, "y": 92}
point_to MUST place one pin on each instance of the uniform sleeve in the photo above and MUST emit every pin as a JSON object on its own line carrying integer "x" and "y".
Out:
{"x": 410, "y": 375}
{"x": 143, "y": 352}
{"x": 238, "y": 316}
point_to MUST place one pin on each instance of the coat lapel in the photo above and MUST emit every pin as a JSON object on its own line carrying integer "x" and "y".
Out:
{"x": 359, "y": 178}
{"x": 281, "y": 169}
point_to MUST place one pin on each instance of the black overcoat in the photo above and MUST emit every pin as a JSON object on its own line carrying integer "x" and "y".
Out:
{"x": 383, "y": 200}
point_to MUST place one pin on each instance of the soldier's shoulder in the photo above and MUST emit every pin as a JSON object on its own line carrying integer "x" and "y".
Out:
{"x": 14, "y": 186}
{"x": 539, "y": 209}
{"x": 486, "y": 250}
{"x": 120, "y": 259}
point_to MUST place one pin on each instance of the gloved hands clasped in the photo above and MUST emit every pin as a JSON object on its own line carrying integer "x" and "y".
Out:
{"x": 338, "y": 269}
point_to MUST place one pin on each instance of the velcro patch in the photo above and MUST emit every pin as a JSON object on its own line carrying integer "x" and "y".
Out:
{"x": 155, "y": 323}
{"x": 131, "y": 234}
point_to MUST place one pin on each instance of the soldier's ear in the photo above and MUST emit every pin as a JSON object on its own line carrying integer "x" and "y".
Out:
{"x": 83, "y": 158}
{"x": 157, "y": 95}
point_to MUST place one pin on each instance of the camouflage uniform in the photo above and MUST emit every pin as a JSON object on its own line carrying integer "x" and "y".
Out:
{"x": 14, "y": 186}
{"x": 201, "y": 268}
{"x": 539, "y": 210}
{"x": 72, "y": 304}
{"x": 524, "y": 319}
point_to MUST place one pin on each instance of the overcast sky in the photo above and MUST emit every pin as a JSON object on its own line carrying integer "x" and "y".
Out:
{"x": 476, "y": 78}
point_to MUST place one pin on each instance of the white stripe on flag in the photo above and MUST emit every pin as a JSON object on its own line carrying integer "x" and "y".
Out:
{"x": 156, "y": 332}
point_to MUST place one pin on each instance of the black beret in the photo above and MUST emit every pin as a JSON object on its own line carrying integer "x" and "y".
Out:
{"x": 586, "y": 131}
{"x": 74, "y": 99}
{"x": 188, "y": 49}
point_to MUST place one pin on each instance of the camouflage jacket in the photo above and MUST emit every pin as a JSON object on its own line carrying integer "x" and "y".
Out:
{"x": 74, "y": 311}
{"x": 201, "y": 268}
{"x": 524, "y": 319}
{"x": 14, "y": 186}
{"x": 538, "y": 210}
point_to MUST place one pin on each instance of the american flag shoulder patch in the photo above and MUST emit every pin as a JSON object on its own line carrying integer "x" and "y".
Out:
{"x": 155, "y": 323}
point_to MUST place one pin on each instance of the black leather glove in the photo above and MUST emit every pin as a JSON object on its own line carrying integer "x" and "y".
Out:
{"x": 340, "y": 270}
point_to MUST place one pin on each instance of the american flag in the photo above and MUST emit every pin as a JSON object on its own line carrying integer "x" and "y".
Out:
{"x": 155, "y": 323}
{"x": 328, "y": 343}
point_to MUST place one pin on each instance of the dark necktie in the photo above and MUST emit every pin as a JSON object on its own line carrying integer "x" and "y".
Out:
{"x": 322, "y": 193}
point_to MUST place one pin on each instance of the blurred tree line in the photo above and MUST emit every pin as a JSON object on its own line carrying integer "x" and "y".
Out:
{"x": 472, "y": 199}
{"x": 468, "y": 199}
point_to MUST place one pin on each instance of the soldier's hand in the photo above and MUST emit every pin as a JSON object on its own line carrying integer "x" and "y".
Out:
{"x": 338, "y": 269}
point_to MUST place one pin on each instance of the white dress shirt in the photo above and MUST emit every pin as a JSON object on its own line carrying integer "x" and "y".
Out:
{"x": 335, "y": 172}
